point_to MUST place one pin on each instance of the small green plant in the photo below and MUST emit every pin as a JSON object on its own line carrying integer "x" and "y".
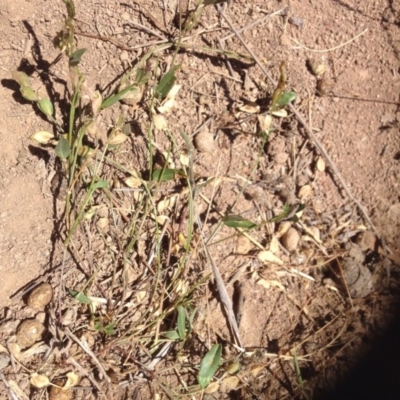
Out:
{"x": 281, "y": 98}
{"x": 184, "y": 325}
{"x": 98, "y": 321}
{"x": 209, "y": 365}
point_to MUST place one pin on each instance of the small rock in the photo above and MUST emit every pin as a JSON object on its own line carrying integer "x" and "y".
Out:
{"x": 40, "y": 297}
{"x": 358, "y": 278}
{"x": 59, "y": 185}
{"x": 324, "y": 86}
{"x": 133, "y": 97}
{"x": 29, "y": 332}
{"x": 204, "y": 141}
{"x": 297, "y": 21}
{"x": 366, "y": 240}
{"x": 290, "y": 239}
{"x": 317, "y": 67}
{"x": 125, "y": 56}
{"x": 41, "y": 317}
{"x": 355, "y": 252}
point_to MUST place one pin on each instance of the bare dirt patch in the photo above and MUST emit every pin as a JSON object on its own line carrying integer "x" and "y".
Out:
{"x": 309, "y": 294}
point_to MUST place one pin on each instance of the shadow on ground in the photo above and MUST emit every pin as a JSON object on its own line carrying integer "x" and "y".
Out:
{"x": 377, "y": 375}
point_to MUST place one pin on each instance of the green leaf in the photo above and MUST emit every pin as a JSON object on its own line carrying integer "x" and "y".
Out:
{"x": 283, "y": 215}
{"x": 70, "y": 8}
{"x": 118, "y": 96}
{"x": 98, "y": 326}
{"x": 109, "y": 329}
{"x": 181, "y": 322}
{"x": 190, "y": 321}
{"x": 209, "y": 365}
{"x": 79, "y": 296}
{"x": 191, "y": 316}
{"x": 289, "y": 212}
{"x": 101, "y": 184}
{"x": 75, "y": 57}
{"x": 28, "y": 93}
{"x": 165, "y": 175}
{"x": 236, "y": 221}
{"x": 46, "y": 107}
{"x": 63, "y": 149}
{"x": 166, "y": 82}
{"x": 285, "y": 98}
{"x": 142, "y": 76}
{"x": 172, "y": 335}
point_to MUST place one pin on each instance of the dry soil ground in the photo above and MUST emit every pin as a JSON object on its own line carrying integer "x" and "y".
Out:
{"x": 353, "y": 111}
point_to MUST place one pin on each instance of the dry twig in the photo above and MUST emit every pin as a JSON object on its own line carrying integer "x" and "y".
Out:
{"x": 85, "y": 347}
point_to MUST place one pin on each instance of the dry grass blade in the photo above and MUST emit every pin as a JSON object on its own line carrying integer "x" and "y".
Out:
{"x": 282, "y": 11}
{"x": 333, "y": 48}
{"x": 223, "y": 293}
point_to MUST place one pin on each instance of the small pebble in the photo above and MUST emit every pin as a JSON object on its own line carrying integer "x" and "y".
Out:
{"x": 317, "y": 67}
{"x": 290, "y": 239}
{"x": 29, "y": 332}
{"x": 204, "y": 141}
{"x": 297, "y": 21}
{"x": 40, "y": 297}
{"x": 366, "y": 240}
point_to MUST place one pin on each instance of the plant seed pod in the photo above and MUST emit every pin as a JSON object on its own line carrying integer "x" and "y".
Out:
{"x": 28, "y": 93}
{"x": 21, "y": 77}
{"x": 46, "y": 107}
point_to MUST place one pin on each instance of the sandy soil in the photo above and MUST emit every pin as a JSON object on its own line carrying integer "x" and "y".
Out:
{"x": 356, "y": 117}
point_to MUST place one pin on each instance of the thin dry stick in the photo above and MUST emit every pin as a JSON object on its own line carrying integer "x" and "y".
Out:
{"x": 255, "y": 23}
{"x": 119, "y": 44}
{"x": 85, "y": 347}
{"x": 157, "y": 239}
{"x": 223, "y": 293}
{"x": 310, "y": 134}
{"x": 148, "y": 30}
{"x": 333, "y": 48}
{"x": 148, "y": 15}
{"x": 227, "y": 61}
